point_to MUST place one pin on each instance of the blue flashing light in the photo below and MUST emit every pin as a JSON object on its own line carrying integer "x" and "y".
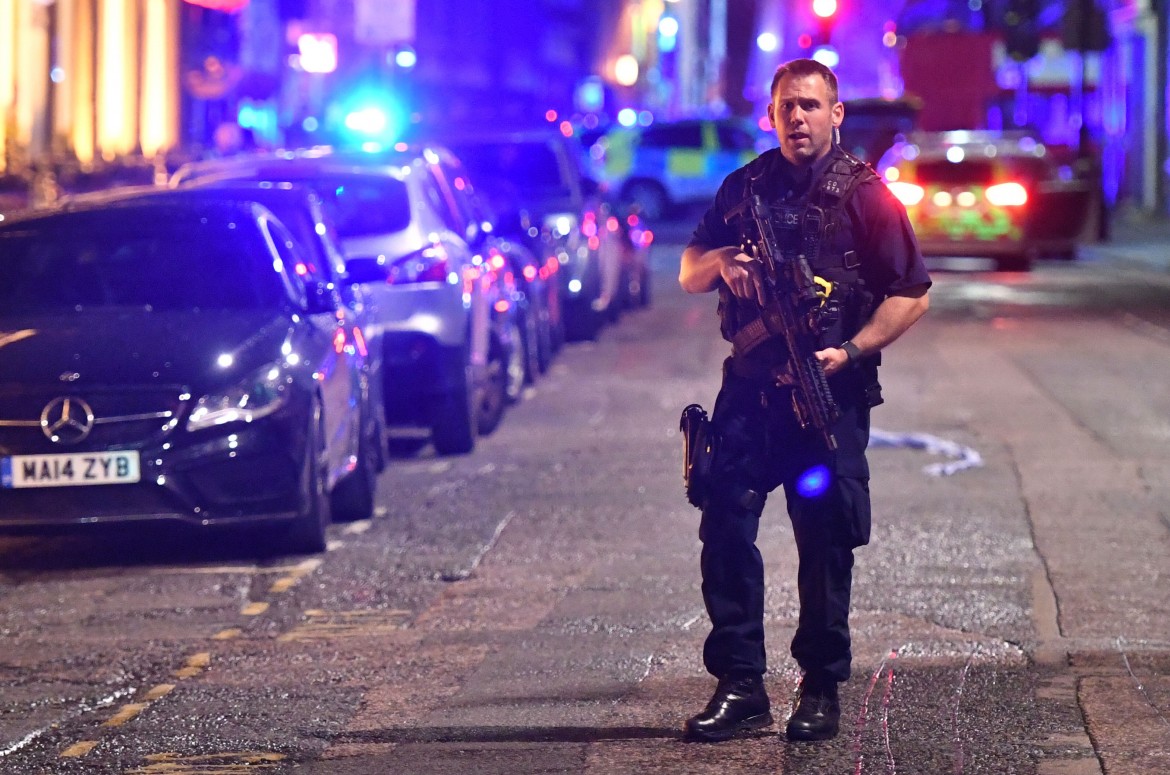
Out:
{"x": 367, "y": 121}
{"x": 814, "y": 482}
{"x": 667, "y": 34}
{"x": 406, "y": 58}
{"x": 372, "y": 116}
{"x": 827, "y": 56}
{"x": 627, "y": 116}
{"x": 590, "y": 95}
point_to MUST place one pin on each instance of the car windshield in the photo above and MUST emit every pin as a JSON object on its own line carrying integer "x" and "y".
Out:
{"x": 981, "y": 172}
{"x": 946, "y": 173}
{"x": 94, "y": 261}
{"x": 507, "y": 170}
{"x": 362, "y": 206}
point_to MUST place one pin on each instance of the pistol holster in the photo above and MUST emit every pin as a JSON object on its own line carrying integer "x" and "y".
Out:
{"x": 699, "y": 443}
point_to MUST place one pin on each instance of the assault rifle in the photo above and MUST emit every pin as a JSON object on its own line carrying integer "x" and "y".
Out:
{"x": 791, "y": 312}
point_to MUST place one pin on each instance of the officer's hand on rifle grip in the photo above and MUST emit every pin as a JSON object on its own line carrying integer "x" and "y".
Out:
{"x": 832, "y": 359}
{"x": 744, "y": 276}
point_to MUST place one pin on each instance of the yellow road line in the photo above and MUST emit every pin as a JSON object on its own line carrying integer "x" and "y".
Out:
{"x": 298, "y": 573}
{"x": 282, "y": 584}
{"x": 77, "y": 750}
{"x": 196, "y": 663}
{"x": 128, "y": 711}
{"x": 254, "y": 609}
{"x": 236, "y": 763}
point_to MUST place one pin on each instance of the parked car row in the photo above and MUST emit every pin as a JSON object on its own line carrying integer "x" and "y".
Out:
{"x": 232, "y": 349}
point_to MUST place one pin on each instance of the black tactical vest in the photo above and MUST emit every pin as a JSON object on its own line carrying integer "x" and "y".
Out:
{"x": 816, "y": 225}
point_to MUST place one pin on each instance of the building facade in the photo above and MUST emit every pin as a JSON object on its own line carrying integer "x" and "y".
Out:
{"x": 91, "y": 82}
{"x": 90, "y": 79}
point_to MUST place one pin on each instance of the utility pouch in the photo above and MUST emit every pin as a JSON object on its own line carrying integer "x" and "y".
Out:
{"x": 699, "y": 442}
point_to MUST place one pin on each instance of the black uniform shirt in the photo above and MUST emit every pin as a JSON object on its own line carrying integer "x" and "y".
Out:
{"x": 890, "y": 259}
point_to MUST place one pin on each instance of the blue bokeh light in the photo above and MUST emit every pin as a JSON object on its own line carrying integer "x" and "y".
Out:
{"x": 827, "y": 56}
{"x": 814, "y": 482}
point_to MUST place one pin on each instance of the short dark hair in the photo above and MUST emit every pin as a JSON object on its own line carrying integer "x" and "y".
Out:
{"x": 798, "y": 68}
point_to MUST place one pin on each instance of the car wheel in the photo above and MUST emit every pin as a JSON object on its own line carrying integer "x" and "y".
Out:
{"x": 1019, "y": 262}
{"x": 650, "y": 198}
{"x": 493, "y": 393}
{"x": 517, "y": 367}
{"x": 352, "y": 498}
{"x": 376, "y": 412}
{"x": 307, "y": 532}
{"x": 619, "y": 301}
{"x": 556, "y": 329}
{"x": 453, "y": 421}
{"x": 531, "y": 345}
{"x": 545, "y": 344}
{"x": 583, "y": 322}
{"x": 644, "y": 288}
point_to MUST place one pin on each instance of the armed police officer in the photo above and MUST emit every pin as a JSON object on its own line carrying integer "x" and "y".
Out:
{"x": 834, "y": 216}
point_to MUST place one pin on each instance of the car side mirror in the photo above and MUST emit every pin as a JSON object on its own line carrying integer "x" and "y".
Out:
{"x": 365, "y": 270}
{"x": 322, "y": 298}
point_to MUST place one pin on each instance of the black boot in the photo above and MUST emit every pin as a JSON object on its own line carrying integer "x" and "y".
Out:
{"x": 818, "y": 711}
{"x": 738, "y": 705}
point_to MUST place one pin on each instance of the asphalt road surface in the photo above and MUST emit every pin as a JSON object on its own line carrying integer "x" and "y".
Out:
{"x": 534, "y": 607}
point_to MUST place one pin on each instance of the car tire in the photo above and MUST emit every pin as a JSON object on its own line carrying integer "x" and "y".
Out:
{"x": 531, "y": 344}
{"x": 453, "y": 421}
{"x": 546, "y": 346}
{"x": 518, "y": 367}
{"x": 376, "y": 416}
{"x": 644, "y": 288}
{"x": 1018, "y": 262}
{"x": 584, "y": 323}
{"x": 649, "y": 197}
{"x": 306, "y": 534}
{"x": 556, "y": 330}
{"x": 492, "y": 397}
{"x": 352, "y": 498}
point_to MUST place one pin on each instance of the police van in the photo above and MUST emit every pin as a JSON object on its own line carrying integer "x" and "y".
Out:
{"x": 671, "y": 163}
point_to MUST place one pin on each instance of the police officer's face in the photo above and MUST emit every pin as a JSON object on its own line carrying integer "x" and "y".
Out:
{"x": 803, "y": 114}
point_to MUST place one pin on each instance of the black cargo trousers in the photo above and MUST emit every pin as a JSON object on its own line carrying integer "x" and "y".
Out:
{"x": 761, "y": 447}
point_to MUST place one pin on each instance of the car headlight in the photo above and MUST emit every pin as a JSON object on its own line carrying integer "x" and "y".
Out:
{"x": 261, "y": 394}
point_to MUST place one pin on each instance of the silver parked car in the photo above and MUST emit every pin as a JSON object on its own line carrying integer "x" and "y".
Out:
{"x": 449, "y": 349}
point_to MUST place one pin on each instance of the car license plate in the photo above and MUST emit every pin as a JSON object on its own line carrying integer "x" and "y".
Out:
{"x": 72, "y": 469}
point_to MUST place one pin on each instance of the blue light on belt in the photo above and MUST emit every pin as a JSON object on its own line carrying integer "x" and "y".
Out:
{"x": 813, "y": 483}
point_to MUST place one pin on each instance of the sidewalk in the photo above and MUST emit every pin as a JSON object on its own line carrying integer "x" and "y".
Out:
{"x": 1136, "y": 238}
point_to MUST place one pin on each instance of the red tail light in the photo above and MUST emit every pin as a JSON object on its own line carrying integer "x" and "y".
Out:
{"x": 428, "y": 265}
{"x": 360, "y": 341}
{"x": 908, "y": 194}
{"x": 1007, "y": 194}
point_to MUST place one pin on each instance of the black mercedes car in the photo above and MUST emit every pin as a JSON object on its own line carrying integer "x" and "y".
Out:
{"x": 179, "y": 363}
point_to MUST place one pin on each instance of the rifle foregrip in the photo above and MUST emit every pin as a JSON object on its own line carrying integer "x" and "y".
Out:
{"x": 824, "y": 394}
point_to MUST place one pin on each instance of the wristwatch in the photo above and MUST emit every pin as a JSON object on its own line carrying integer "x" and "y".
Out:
{"x": 851, "y": 350}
